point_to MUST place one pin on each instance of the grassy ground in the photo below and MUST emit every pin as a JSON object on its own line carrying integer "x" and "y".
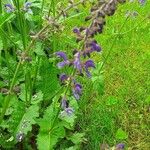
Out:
{"x": 122, "y": 113}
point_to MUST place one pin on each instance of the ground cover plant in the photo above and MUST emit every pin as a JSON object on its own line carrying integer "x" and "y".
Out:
{"x": 55, "y": 57}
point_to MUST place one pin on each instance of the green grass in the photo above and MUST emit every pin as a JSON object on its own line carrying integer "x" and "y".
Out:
{"x": 125, "y": 102}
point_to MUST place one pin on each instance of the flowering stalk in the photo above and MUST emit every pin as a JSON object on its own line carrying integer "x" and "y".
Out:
{"x": 88, "y": 46}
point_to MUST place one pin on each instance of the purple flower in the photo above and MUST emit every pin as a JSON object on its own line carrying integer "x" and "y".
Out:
{"x": 76, "y": 30}
{"x": 91, "y": 47}
{"x": 89, "y": 64}
{"x": 9, "y": 8}
{"x": 67, "y": 112}
{"x": 64, "y": 57}
{"x": 77, "y": 91}
{"x": 63, "y": 77}
{"x": 120, "y": 146}
{"x": 77, "y": 62}
{"x": 27, "y": 5}
{"x": 142, "y": 2}
{"x": 95, "y": 47}
{"x": 64, "y": 103}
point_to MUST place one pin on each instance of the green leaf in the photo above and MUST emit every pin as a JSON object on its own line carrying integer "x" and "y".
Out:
{"x": 5, "y": 18}
{"x": 27, "y": 119}
{"x": 39, "y": 49}
{"x": 69, "y": 121}
{"x": 1, "y": 46}
{"x": 22, "y": 119}
{"x": 35, "y": 99}
{"x": 77, "y": 138}
{"x": 48, "y": 82}
{"x": 73, "y": 148}
{"x": 97, "y": 79}
{"x": 121, "y": 135}
{"x": 38, "y": 97}
{"x": 51, "y": 129}
{"x": 1, "y": 100}
{"x": 13, "y": 100}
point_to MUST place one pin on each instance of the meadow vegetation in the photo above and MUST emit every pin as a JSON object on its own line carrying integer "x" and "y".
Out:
{"x": 50, "y": 99}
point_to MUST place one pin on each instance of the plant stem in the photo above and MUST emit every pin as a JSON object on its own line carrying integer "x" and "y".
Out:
{"x": 42, "y": 7}
{"x": 34, "y": 79}
{"x": 7, "y": 98}
{"x": 113, "y": 44}
{"x": 1, "y": 10}
{"x": 53, "y": 34}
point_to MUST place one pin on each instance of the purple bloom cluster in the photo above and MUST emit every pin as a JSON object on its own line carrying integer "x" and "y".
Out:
{"x": 64, "y": 58}
{"x": 9, "y": 8}
{"x": 89, "y": 45}
{"x": 66, "y": 109}
{"x": 120, "y": 146}
{"x": 142, "y": 2}
{"x": 27, "y": 7}
{"x": 76, "y": 63}
{"x": 77, "y": 90}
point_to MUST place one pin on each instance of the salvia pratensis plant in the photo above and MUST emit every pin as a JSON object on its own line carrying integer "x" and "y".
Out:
{"x": 44, "y": 123}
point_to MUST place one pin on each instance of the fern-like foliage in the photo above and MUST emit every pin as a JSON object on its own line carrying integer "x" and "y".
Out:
{"x": 51, "y": 129}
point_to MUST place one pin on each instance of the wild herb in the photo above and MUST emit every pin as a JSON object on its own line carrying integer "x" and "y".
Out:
{"x": 40, "y": 84}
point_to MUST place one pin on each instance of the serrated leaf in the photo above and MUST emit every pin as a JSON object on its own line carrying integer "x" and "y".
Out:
{"x": 36, "y": 98}
{"x": 22, "y": 119}
{"x": 69, "y": 120}
{"x": 27, "y": 119}
{"x": 77, "y": 138}
{"x": 47, "y": 140}
{"x": 73, "y": 148}
{"x": 48, "y": 82}
{"x": 51, "y": 129}
{"x": 39, "y": 49}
